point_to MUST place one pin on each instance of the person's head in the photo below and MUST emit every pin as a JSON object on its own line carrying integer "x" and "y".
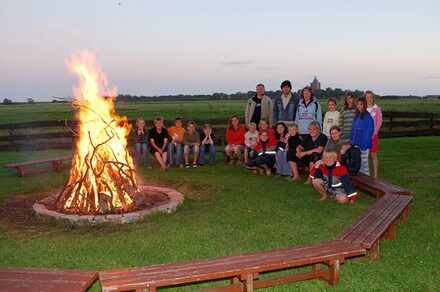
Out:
{"x": 370, "y": 97}
{"x": 292, "y": 129}
{"x": 286, "y": 87}
{"x": 361, "y": 106}
{"x": 348, "y": 100}
{"x": 191, "y": 126}
{"x": 260, "y": 89}
{"x": 140, "y": 124}
{"x": 207, "y": 129}
{"x": 178, "y": 122}
{"x": 158, "y": 122}
{"x": 335, "y": 133}
{"x": 234, "y": 122}
{"x": 307, "y": 93}
{"x": 330, "y": 157}
{"x": 314, "y": 129}
{"x": 280, "y": 130}
{"x": 331, "y": 104}
{"x": 264, "y": 124}
{"x": 252, "y": 127}
{"x": 264, "y": 136}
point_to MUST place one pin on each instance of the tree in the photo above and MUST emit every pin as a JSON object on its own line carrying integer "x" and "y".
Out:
{"x": 30, "y": 101}
{"x": 7, "y": 101}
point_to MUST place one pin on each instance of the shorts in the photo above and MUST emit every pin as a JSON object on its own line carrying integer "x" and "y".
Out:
{"x": 375, "y": 143}
{"x": 187, "y": 149}
{"x": 331, "y": 191}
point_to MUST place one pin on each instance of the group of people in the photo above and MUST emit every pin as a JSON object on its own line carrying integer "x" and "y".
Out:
{"x": 291, "y": 131}
{"x": 281, "y": 136}
{"x": 163, "y": 143}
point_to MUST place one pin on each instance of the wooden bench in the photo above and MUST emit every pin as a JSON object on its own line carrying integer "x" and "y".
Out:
{"x": 376, "y": 187}
{"x": 56, "y": 165}
{"x": 29, "y": 279}
{"x": 378, "y": 222}
{"x": 242, "y": 270}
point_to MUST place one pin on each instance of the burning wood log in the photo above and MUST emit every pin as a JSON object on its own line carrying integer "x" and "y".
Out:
{"x": 102, "y": 178}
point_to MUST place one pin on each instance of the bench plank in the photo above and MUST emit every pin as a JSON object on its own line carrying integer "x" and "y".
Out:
{"x": 378, "y": 222}
{"x": 227, "y": 267}
{"x": 56, "y": 165}
{"x": 379, "y": 187}
{"x": 31, "y": 279}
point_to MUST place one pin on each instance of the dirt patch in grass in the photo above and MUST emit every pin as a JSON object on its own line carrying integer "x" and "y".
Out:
{"x": 188, "y": 190}
{"x": 17, "y": 215}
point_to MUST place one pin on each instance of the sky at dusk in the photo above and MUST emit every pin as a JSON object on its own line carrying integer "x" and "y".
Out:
{"x": 199, "y": 47}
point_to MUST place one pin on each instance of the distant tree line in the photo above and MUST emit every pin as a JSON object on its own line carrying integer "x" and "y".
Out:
{"x": 337, "y": 93}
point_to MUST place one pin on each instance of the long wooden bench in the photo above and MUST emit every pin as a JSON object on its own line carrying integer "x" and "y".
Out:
{"x": 376, "y": 187}
{"x": 378, "y": 222}
{"x": 56, "y": 165}
{"x": 243, "y": 270}
{"x": 30, "y": 279}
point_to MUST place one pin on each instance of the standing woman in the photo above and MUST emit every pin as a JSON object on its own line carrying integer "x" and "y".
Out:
{"x": 347, "y": 114}
{"x": 362, "y": 131}
{"x": 309, "y": 110}
{"x": 376, "y": 115}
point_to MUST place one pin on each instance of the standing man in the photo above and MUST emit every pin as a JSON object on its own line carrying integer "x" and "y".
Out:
{"x": 258, "y": 107}
{"x": 285, "y": 105}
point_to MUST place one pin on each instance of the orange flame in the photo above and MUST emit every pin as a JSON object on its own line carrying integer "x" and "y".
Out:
{"x": 102, "y": 175}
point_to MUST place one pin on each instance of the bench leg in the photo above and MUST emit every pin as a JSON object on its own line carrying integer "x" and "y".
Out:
{"x": 391, "y": 233}
{"x": 374, "y": 251}
{"x": 332, "y": 273}
{"x": 20, "y": 171}
{"x": 248, "y": 281}
{"x": 405, "y": 215}
{"x": 316, "y": 267}
{"x": 235, "y": 280}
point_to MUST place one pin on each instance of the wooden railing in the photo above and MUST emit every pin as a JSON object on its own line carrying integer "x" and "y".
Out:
{"x": 58, "y": 134}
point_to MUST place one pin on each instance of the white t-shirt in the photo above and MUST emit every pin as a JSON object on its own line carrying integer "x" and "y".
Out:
{"x": 330, "y": 119}
{"x": 251, "y": 139}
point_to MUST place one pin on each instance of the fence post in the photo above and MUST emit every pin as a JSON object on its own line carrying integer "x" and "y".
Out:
{"x": 391, "y": 124}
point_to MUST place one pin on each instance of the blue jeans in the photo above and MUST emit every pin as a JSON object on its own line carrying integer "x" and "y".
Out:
{"x": 203, "y": 149}
{"x": 141, "y": 148}
{"x": 179, "y": 153}
{"x": 282, "y": 164}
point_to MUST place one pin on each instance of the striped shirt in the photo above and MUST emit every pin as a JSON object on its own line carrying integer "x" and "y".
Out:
{"x": 346, "y": 118}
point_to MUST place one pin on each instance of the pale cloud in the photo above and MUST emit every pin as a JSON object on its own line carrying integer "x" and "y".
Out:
{"x": 238, "y": 63}
{"x": 435, "y": 77}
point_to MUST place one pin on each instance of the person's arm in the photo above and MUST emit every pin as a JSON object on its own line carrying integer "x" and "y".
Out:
{"x": 153, "y": 144}
{"x": 270, "y": 110}
{"x": 379, "y": 120}
{"x": 274, "y": 113}
{"x": 197, "y": 140}
{"x": 165, "y": 143}
{"x": 319, "y": 114}
{"x": 247, "y": 117}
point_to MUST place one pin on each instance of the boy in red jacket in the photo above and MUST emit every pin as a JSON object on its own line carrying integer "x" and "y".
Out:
{"x": 332, "y": 179}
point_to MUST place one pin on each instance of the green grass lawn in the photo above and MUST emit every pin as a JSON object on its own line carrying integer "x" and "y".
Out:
{"x": 186, "y": 109}
{"x": 227, "y": 211}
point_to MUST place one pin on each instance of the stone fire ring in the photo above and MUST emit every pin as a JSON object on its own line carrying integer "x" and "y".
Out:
{"x": 175, "y": 199}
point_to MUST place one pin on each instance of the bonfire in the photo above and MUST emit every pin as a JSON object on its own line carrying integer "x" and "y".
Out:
{"x": 102, "y": 177}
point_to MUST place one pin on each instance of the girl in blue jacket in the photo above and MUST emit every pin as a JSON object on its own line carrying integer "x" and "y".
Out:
{"x": 362, "y": 131}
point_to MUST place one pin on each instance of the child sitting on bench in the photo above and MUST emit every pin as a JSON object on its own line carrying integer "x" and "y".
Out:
{"x": 332, "y": 179}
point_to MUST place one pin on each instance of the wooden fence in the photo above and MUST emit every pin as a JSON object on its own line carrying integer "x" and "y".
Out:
{"x": 58, "y": 134}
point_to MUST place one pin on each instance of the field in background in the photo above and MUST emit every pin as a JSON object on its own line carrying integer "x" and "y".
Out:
{"x": 187, "y": 109}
